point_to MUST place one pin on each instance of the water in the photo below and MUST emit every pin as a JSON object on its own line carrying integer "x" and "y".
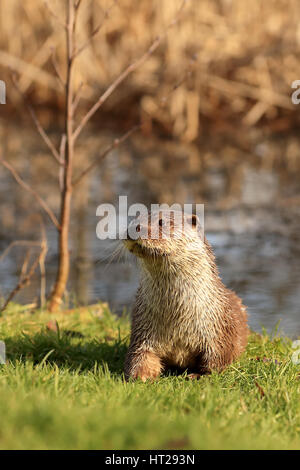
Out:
{"x": 251, "y": 217}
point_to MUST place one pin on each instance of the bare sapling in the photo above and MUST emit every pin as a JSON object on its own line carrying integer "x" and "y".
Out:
{"x": 29, "y": 267}
{"x": 64, "y": 156}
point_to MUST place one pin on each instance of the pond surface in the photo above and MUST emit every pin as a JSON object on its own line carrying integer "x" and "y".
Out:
{"x": 251, "y": 194}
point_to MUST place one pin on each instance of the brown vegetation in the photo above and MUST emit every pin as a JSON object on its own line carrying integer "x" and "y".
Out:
{"x": 64, "y": 157}
{"x": 227, "y": 59}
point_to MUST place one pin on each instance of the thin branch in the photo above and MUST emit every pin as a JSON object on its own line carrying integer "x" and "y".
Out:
{"x": 116, "y": 143}
{"x": 131, "y": 68}
{"x": 26, "y": 186}
{"x": 77, "y": 4}
{"x": 77, "y": 97}
{"x": 20, "y": 243}
{"x": 57, "y": 18}
{"x": 25, "y": 263}
{"x": 184, "y": 78}
{"x": 62, "y": 153}
{"x": 44, "y": 135}
{"x": 62, "y": 147}
{"x": 95, "y": 31}
{"x": 56, "y": 68}
{"x": 44, "y": 250}
{"x": 114, "y": 85}
{"x": 43, "y": 274}
{"x": 87, "y": 43}
{"x": 38, "y": 125}
{"x": 25, "y": 278}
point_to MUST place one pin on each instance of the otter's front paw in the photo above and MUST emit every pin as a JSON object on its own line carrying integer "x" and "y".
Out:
{"x": 145, "y": 366}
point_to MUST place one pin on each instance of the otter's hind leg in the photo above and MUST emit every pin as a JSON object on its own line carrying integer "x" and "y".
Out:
{"x": 218, "y": 358}
{"x": 142, "y": 364}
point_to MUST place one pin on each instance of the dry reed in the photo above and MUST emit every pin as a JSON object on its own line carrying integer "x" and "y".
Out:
{"x": 223, "y": 54}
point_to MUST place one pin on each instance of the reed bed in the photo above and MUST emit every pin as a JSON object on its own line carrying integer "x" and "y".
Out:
{"x": 224, "y": 58}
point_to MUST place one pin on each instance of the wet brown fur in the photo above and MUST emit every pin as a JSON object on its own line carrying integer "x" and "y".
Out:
{"x": 183, "y": 316}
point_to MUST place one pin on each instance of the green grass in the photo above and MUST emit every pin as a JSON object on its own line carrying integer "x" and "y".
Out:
{"x": 65, "y": 390}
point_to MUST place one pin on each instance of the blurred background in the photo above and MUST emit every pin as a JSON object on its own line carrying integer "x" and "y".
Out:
{"x": 218, "y": 127}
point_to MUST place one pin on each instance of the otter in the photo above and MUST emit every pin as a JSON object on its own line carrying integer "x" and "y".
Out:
{"x": 183, "y": 317}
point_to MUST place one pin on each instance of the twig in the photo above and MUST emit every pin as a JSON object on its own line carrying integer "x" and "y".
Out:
{"x": 44, "y": 250}
{"x": 24, "y": 279}
{"x": 131, "y": 68}
{"x": 56, "y": 68}
{"x": 77, "y": 4}
{"x": 43, "y": 274}
{"x": 44, "y": 135}
{"x": 62, "y": 147}
{"x": 162, "y": 101}
{"x": 54, "y": 14}
{"x": 25, "y": 263}
{"x": 62, "y": 152}
{"x": 184, "y": 78}
{"x": 112, "y": 146}
{"x": 20, "y": 243}
{"x": 26, "y": 186}
{"x": 77, "y": 97}
{"x": 95, "y": 31}
{"x": 38, "y": 125}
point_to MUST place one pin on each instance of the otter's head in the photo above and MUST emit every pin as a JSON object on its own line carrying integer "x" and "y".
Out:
{"x": 165, "y": 235}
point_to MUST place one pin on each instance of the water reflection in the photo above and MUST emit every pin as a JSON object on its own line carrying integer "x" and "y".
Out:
{"x": 252, "y": 216}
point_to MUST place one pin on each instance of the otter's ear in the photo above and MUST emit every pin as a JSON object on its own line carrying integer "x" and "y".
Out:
{"x": 193, "y": 220}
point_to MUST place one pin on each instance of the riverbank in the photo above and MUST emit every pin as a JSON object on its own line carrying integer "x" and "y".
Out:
{"x": 62, "y": 388}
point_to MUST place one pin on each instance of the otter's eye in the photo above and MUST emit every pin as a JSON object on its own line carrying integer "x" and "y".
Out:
{"x": 193, "y": 220}
{"x": 160, "y": 222}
